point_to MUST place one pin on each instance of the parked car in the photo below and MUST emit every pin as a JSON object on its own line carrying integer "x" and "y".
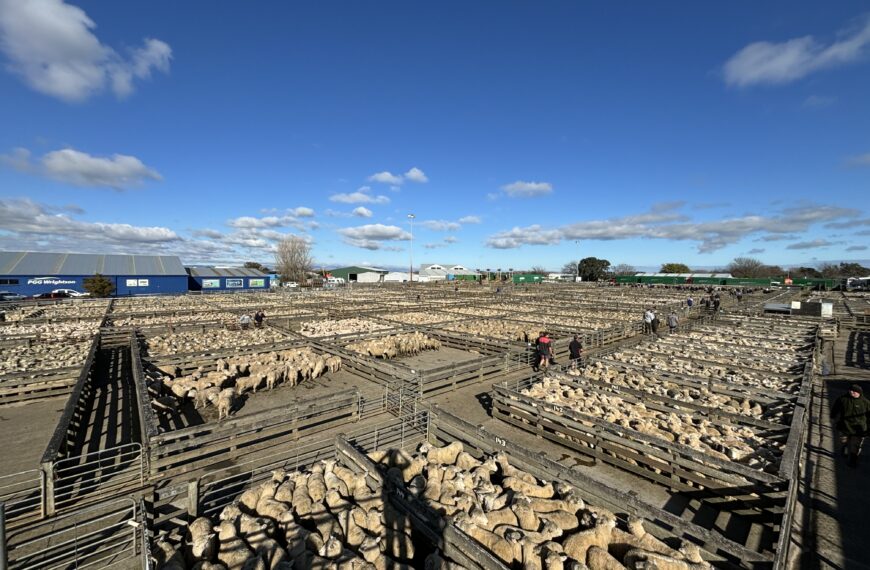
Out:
{"x": 71, "y": 293}
{"x": 291, "y": 284}
{"x": 52, "y": 295}
{"x": 9, "y": 296}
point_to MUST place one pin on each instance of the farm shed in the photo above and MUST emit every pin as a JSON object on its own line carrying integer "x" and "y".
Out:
{"x": 399, "y": 277}
{"x": 352, "y": 273}
{"x": 527, "y": 278}
{"x": 205, "y": 278}
{"x": 370, "y": 277}
{"x": 32, "y": 273}
{"x": 448, "y": 272}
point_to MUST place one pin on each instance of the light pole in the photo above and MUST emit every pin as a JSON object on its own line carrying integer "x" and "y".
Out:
{"x": 411, "y": 252}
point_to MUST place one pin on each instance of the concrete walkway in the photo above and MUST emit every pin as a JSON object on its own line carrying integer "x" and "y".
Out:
{"x": 835, "y": 519}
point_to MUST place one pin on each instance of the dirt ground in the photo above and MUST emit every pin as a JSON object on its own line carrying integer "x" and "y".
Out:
{"x": 26, "y": 431}
{"x": 436, "y": 358}
{"x": 330, "y": 384}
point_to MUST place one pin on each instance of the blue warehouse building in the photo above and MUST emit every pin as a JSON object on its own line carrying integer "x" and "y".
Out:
{"x": 32, "y": 273}
{"x": 213, "y": 279}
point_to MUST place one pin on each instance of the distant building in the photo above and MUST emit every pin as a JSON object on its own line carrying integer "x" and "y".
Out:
{"x": 34, "y": 273}
{"x": 447, "y": 272}
{"x": 351, "y": 274}
{"x": 210, "y": 279}
{"x": 400, "y": 277}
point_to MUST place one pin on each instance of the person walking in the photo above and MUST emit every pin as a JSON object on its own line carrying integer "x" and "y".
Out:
{"x": 545, "y": 350}
{"x": 575, "y": 348}
{"x": 850, "y": 415}
{"x": 648, "y": 317}
{"x": 245, "y": 321}
{"x": 259, "y": 317}
{"x": 673, "y": 321}
{"x": 689, "y": 302}
{"x": 654, "y": 323}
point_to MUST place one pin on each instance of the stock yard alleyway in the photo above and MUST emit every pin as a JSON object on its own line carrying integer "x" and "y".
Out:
{"x": 835, "y": 497}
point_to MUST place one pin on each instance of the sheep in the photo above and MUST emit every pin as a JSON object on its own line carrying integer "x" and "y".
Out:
{"x": 646, "y": 559}
{"x": 528, "y": 489}
{"x": 202, "y": 539}
{"x": 442, "y": 455}
{"x": 226, "y": 401}
{"x": 577, "y": 544}
{"x": 598, "y": 558}
{"x": 233, "y": 551}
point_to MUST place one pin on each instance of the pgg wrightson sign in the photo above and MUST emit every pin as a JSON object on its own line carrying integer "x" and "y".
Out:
{"x": 50, "y": 281}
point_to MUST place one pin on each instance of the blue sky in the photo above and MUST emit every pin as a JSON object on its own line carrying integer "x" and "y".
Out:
{"x": 518, "y": 133}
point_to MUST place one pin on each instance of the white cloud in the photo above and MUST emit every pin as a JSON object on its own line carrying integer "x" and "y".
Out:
{"x": 856, "y": 248}
{"x": 386, "y": 177}
{"x": 440, "y": 225}
{"x": 28, "y": 220}
{"x": 470, "y": 220}
{"x": 371, "y": 236}
{"x": 521, "y": 189}
{"x": 52, "y": 46}
{"x": 82, "y": 169}
{"x": 362, "y": 212}
{"x": 361, "y": 196}
{"x": 755, "y": 250}
{"x": 434, "y": 245}
{"x": 416, "y": 175}
{"x": 662, "y": 222}
{"x": 208, "y": 233}
{"x": 784, "y": 62}
{"x": 451, "y": 239}
{"x": 302, "y": 212}
{"x": 814, "y": 244}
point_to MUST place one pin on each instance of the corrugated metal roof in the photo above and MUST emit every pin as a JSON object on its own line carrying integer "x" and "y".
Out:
{"x": 717, "y": 275}
{"x": 39, "y": 263}
{"x": 447, "y": 269}
{"x": 208, "y": 271}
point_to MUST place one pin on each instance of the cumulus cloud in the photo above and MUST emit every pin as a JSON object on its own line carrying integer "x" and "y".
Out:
{"x": 856, "y": 248}
{"x": 814, "y": 244}
{"x": 396, "y": 180}
{"x": 451, "y": 239}
{"x": 416, "y": 175}
{"x": 783, "y": 62}
{"x": 386, "y": 177}
{"x": 469, "y": 220}
{"x": 440, "y": 225}
{"x": 362, "y": 212}
{"x": 521, "y": 189}
{"x": 208, "y": 233}
{"x": 290, "y": 219}
{"x": 71, "y": 166}
{"x": 27, "y": 220}
{"x": 51, "y": 45}
{"x": 663, "y": 222}
{"x": 372, "y": 236}
{"x": 859, "y": 160}
{"x": 361, "y": 196}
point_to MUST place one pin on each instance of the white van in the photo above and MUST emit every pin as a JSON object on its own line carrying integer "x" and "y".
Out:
{"x": 335, "y": 280}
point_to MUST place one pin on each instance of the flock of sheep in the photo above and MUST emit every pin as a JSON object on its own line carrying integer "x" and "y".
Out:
{"x": 329, "y": 516}
{"x": 211, "y": 339}
{"x": 403, "y": 344}
{"x": 728, "y": 442}
{"x": 236, "y": 376}
{"x": 334, "y": 327}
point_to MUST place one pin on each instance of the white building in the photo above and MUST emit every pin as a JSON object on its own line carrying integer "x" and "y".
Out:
{"x": 440, "y": 272}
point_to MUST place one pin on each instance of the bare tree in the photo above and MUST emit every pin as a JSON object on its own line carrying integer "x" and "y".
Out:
{"x": 293, "y": 259}
{"x": 623, "y": 269}
{"x": 539, "y": 270}
{"x": 570, "y": 268}
{"x": 746, "y": 267}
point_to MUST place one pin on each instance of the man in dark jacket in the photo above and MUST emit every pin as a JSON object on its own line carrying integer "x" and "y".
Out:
{"x": 850, "y": 414}
{"x": 575, "y": 347}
